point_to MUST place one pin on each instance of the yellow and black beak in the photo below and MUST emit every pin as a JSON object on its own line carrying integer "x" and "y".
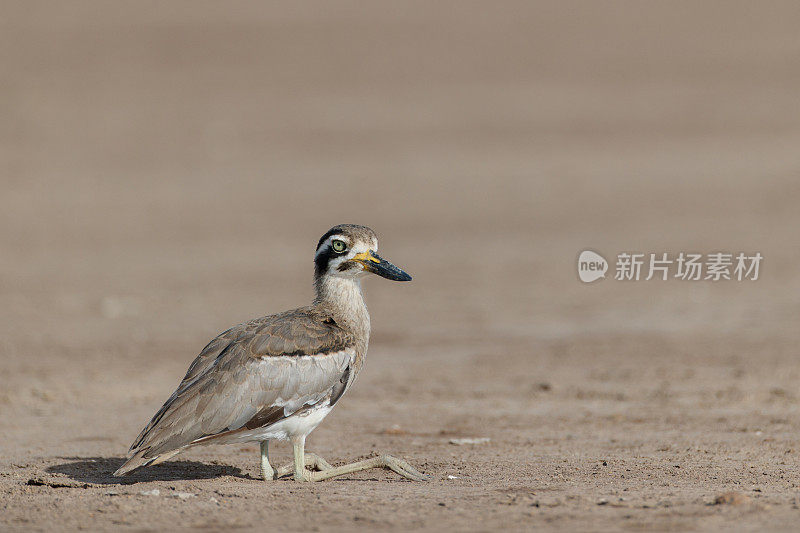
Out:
{"x": 374, "y": 263}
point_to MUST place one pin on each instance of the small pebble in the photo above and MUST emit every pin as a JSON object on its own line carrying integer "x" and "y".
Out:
{"x": 462, "y": 442}
{"x": 452, "y": 477}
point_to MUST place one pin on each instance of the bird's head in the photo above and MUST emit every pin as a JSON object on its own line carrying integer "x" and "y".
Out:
{"x": 350, "y": 251}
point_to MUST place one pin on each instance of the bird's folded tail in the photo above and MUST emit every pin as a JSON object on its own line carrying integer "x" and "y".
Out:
{"x": 138, "y": 460}
{"x": 143, "y": 456}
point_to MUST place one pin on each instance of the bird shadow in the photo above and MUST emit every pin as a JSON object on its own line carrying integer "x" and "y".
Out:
{"x": 100, "y": 470}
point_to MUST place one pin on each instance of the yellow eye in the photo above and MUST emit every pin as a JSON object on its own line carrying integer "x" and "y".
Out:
{"x": 338, "y": 246}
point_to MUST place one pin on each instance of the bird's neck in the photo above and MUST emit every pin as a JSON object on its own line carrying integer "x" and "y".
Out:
{"x": 343, "y": 298}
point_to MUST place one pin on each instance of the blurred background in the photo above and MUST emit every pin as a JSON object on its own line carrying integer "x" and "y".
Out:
{"x": 167, "y": 169}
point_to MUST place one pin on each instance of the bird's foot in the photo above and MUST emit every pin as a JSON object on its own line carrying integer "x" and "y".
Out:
{"x": 268, "y": 473}
{"x": 312, "y": 460}
{"x": 394, "y": 464}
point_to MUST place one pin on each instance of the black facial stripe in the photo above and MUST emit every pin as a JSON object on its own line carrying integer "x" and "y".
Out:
{"x": 321, "y": 261}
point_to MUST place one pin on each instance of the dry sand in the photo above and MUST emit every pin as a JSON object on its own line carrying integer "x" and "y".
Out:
{"x": 167, "y": 169}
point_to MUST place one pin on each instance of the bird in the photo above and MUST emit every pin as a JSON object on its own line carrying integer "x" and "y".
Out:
{"x": 278, "y": 376}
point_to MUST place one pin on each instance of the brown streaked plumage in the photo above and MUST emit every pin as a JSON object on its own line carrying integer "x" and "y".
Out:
{"x": 278, "y": 376}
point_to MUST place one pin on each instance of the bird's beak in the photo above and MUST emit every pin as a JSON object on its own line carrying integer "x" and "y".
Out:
{"x": 372, "y": 262}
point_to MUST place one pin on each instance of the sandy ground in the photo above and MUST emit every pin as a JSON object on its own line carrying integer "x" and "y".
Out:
{"x": 167, "y": 170}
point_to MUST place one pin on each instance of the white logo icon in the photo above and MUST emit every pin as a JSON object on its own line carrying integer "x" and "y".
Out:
{"x": 591, "y": 266}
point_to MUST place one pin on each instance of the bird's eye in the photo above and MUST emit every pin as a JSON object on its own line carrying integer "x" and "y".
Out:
{"x": 338, "y": 246}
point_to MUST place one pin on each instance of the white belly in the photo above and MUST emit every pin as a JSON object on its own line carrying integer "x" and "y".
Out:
{"x": 299, "y": 425}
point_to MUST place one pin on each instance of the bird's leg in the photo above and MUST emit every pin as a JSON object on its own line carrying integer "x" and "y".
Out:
{"x": 313, "y": 461}
{"x": 384, "y": 461}
{"x": 302, "y": 460}
{"x": 267, "y": 472}
{"x": 299, "y": 449}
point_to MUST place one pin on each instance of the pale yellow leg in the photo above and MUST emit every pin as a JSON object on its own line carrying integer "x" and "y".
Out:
{"x": 313, "y": 461}
{"x": 326, "y": 471}
{"x": 267, "y": 472}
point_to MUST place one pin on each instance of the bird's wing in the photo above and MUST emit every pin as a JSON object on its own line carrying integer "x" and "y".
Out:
{"x": 251, "y": 376}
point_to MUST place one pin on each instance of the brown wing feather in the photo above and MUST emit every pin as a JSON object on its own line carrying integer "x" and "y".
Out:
{"x": 250, "y": 374}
